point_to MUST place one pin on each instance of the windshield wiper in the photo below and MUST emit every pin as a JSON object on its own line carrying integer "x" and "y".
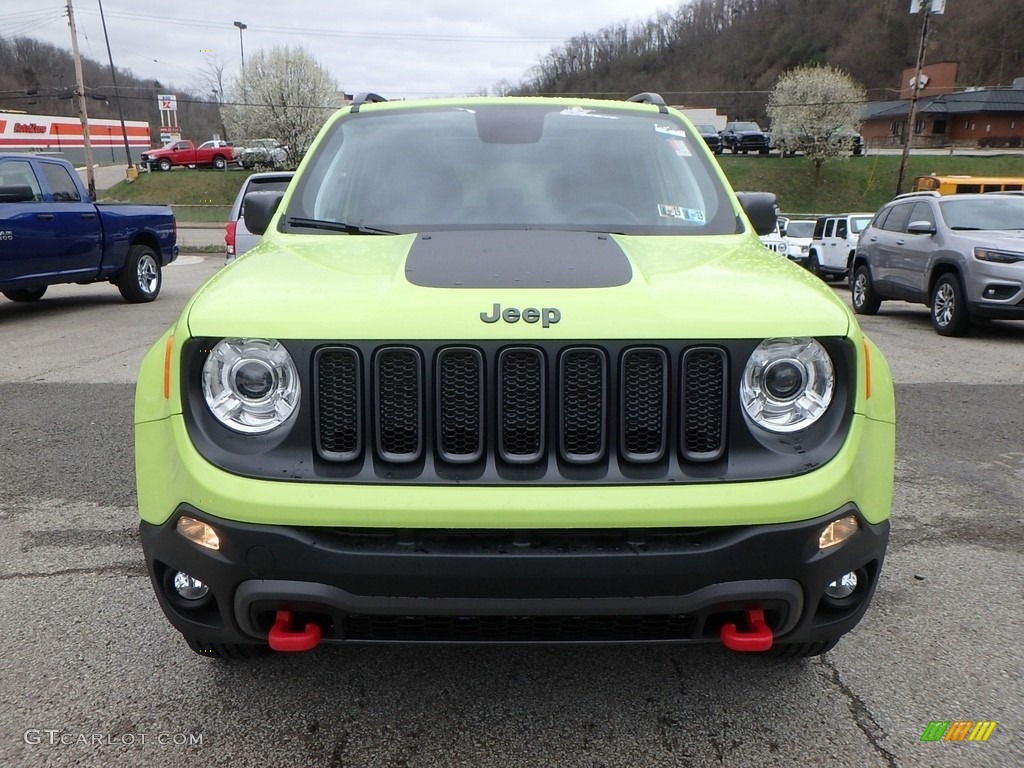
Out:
{"x": 336, "y": 226}
{"x": 966, "y": 229}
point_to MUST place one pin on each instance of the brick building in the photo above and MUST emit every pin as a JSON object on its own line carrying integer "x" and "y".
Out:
{"x": 947, "y": 117}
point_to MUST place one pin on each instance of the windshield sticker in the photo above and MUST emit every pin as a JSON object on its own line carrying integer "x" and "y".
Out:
{"x": 670, "y": 130}
{"x": 581, "y": 112}
{"x": 678, "y": 212}
{"x": 680, "y": 147}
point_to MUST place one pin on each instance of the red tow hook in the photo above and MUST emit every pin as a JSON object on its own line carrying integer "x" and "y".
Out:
{"x": 757, "y": 637}
{"x": 282, "y": 638}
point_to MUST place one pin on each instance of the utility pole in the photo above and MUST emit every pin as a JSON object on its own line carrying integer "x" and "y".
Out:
{"x": 117, "y": 95}
{"x": 82, "y": 111}
{"x": 925, "y": 8}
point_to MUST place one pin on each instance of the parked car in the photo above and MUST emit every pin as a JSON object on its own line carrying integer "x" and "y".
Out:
{"x": 237, "y": 238}
{"x": 845, "y": 140}
{"x": 216, "y": 154}
{"x": 961, "y": 255}
{"x": 51, "y": 232}
{"x": 710, "y": 135}
{"x": 834, "y": 242}
{"x": 798, "y": 234}
{"x": 745, "y": 136}
{"x": 774, "y": 240}
{"x": 442, "y": 402}
{"x": 263, "y": 153}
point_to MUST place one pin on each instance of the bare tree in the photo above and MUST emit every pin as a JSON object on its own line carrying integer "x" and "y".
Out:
{"x": 816, "y": 110}
{"x": 210, "y": 80}
{"x": 283, "y": 94}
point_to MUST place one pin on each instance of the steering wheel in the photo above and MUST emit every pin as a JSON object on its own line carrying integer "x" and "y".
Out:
{"x": 602, "y": 213}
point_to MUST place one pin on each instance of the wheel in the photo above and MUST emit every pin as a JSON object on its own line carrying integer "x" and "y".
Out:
{"x": 227, "y": 651}
{"x": 862, "y": 293}
{"x": 813, "y": 266}
{"x": 802, "y": 650}
{"x": 141, "y": 277}
{"x": 164, "y": 164}
{"x": 718, "y": 151}
{"x": 743, "y": 151}
{"x": 220, "y": 163}
{"x": 25, "y": 294}
{"x": 949, "y": 310}
{"x": 603, "y": 213}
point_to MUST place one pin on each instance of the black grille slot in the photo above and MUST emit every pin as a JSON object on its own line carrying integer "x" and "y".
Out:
{"x": 521, "y": 404}
{"x": 460, "y": 404}
{"x": 398, "y": 401}
{"x": 338, "y": 404}
{"x": 465, "y": 412}
{"x": 517, "y": 629}
{"x": 582, "y": 398}
{"x": 703, "y": 411}
{"x": 644, "y": 409}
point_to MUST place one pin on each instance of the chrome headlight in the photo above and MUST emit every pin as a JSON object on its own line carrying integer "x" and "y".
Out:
{"x": 250, "y": 385}
{"x": 787, "y": 384}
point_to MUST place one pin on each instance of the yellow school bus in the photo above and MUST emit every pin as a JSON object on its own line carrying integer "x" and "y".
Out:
{"x": 954, "y": 185}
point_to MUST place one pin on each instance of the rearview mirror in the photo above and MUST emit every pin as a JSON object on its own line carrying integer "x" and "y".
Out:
{"x": 259, "y": 208}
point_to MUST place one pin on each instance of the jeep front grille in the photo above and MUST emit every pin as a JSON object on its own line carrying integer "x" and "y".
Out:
{"x": 576, "y": 406}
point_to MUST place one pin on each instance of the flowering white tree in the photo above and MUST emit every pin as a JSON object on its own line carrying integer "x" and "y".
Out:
{"x": 816, "y": 110}
{"x": 284, "y": 94}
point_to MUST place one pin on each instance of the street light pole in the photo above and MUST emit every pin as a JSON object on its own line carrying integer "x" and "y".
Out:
{"x": 241, "y": 47}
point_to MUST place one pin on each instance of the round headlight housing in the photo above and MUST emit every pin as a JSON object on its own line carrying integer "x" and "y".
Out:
{"x": 250, "y": 385}
{"x": 787, "y": 384}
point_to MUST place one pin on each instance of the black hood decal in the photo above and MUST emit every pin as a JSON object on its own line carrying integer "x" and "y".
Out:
{"x": 517, "y": 259}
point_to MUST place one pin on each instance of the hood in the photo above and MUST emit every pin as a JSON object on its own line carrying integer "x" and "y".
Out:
{"x": 466, "y": 285}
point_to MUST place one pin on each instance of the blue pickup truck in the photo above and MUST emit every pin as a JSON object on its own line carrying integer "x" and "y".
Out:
{"x": 52, "y": 232}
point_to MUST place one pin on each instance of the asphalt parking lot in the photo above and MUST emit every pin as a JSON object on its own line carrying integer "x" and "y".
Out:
{"x": 91, "y": 674}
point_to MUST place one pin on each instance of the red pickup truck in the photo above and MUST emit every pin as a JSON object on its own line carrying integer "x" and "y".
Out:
{"x": 210, "y": 153}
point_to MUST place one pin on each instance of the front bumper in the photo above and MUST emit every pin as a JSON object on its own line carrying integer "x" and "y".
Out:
{"x": 395, "y": 585}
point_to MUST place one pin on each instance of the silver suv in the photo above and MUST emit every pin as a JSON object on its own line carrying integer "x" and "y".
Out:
{"x": 962, "y": 255}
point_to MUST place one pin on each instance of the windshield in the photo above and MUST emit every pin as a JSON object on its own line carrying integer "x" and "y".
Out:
{"x": 800, "y": 229}
{"x": 984, "y": 212}
{"x": 705, "y": 128}
{"x": 511, "y": 166}
{"x": 746, "y": 127}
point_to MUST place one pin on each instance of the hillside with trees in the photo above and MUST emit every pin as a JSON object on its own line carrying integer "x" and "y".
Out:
{"x": 39, "y": 78}
{"x": 730, "y": 53}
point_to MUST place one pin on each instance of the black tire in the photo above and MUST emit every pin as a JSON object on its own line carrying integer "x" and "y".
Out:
{"x": 862, "y": 293}
{"x": 164, "y": 164}
{"x": 227, "y": 651}
{"x": 220, "y": 163}
{"x": 948, "y": 308}
{"x": 25, "y": 294}
{"x": 141, "y": 278}
{"x": 813, "y": 266}
{"x": 802, "y": 650}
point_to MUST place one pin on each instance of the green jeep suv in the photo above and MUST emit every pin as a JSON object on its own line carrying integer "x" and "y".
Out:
{"x": 513, "y": 370}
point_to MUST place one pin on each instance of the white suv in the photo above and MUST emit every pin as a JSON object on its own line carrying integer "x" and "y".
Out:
{"x": 834, "y": 243}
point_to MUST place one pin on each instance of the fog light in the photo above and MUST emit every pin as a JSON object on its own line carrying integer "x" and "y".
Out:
{"x": 838, "y": 531}
{"x": 198, "y": 532}
{"x": 188, "y": 587}
{"x": 842, "y": 587}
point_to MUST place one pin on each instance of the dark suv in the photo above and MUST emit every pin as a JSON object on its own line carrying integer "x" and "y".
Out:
{"x": 962, "y": 255}
{"x": 745, "y": 137}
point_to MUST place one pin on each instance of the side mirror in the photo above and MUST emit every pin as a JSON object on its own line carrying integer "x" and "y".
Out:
{"x": 921, "y": 228}
{"x": 259, "y": 208}
{"x": 762, "y": 209}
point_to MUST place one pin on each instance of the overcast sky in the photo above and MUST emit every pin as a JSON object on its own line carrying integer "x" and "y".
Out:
{"x": 397, "y": 48}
